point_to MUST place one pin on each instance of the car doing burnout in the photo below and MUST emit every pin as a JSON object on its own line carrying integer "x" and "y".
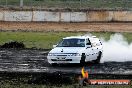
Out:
{"x": 76, "y": 49}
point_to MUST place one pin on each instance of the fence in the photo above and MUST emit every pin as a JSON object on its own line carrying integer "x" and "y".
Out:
{"x": 77, "y": 4}
{"x": 55, "y": 16}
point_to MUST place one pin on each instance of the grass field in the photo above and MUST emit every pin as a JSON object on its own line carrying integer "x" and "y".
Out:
{"x": 114, "y": 4}
{"x": 47, "y": 39}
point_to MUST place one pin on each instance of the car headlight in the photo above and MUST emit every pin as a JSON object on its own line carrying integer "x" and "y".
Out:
{"x": 50, "y": 54}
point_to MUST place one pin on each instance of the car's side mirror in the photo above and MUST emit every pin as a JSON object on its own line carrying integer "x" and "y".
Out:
{"x": 54, "y": 46}
{"x": 88, "y": 43}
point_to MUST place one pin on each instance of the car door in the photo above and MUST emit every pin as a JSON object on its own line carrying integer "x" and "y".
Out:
{"x": 95, "y": 49}
{"x": 89, "y": 51}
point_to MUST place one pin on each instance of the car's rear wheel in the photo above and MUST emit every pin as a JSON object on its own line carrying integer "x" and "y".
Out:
{"x": 98, "y": 58}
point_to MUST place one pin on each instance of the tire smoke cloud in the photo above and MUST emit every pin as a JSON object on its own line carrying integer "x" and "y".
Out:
{"x": 116, "y": 49}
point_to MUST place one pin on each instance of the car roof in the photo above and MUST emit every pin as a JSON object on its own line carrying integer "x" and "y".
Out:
{"x": 79, "y": 37}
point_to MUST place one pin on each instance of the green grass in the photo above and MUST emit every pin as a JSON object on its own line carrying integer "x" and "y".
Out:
{"x": 47, "y": 39}
{"x": 32, "y": 39}
{"x": 112, "y": 4}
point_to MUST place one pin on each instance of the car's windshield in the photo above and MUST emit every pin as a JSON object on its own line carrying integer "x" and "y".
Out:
{"x": 74, "y": 42}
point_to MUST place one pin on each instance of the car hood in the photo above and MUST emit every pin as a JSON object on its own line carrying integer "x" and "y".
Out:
{"x": 66, "y": 49}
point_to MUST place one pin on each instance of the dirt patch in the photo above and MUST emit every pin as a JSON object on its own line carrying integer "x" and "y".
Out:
{"x": 52, "y": 79}
{"x": 88, "y": 27}
{"x": 56, "y": 78}
{"x": 13, "y": 44}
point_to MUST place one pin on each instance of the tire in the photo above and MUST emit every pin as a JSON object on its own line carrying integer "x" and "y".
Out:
{"x": 83, "y": 57}
{"x": 97, "y": 61}
{"x": 54, "y": 64}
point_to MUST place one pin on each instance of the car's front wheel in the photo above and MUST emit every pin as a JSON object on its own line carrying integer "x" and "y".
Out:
{"x": 83, "y": 57}
{"x": 54, "y": 64}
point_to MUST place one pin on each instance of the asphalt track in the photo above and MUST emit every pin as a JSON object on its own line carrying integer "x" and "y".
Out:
{"x": 34, "y": 60}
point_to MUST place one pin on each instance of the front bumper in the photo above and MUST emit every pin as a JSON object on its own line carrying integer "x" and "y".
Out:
{"x": 61, "y": 60}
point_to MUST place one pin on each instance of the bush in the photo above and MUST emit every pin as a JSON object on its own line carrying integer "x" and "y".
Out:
{"x": 13, "y": 44}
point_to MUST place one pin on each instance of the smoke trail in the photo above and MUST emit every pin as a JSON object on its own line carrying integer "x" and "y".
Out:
{"x": 116, "y": 49}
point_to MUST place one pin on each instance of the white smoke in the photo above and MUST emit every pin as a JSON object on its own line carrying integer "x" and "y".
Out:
{"x": 116, "y": 49}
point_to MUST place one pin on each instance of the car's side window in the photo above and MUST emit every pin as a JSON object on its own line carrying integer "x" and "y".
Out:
{"x": 88, "y": 42}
